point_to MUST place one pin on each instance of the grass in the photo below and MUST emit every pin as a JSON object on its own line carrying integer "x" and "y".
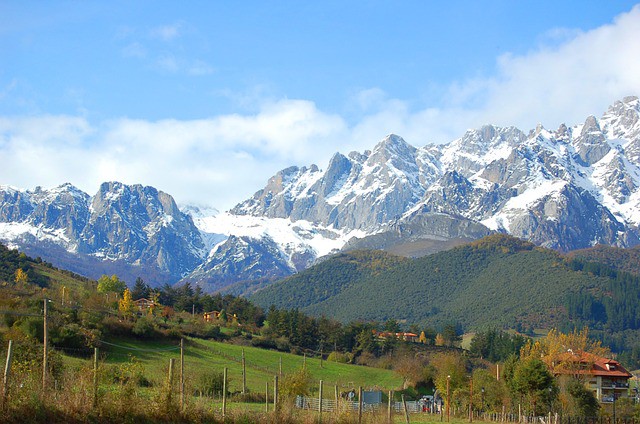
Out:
{"x": 261, "y": 365}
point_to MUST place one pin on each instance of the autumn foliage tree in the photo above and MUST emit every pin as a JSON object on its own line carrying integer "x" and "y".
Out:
{"x": 113, "y": 284}
{"x": 21, "y": 277}
{"x": 125, "y": 305}
{"x": 565, "y": 353}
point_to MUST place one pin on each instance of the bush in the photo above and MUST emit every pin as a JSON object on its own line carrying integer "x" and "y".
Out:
{"x": 116, "y": 327}
{"x": 144, "y": 328}
{"x": 70, "y": 336}
{"x": 342, "y": 358}
{"x": 296, "y": 384}
{"x": 210, "y": 383}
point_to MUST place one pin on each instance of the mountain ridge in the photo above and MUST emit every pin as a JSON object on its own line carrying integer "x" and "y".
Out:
{"x": 567, "y": 189}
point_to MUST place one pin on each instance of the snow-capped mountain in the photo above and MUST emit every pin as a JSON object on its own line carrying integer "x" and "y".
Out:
{"x": 133, "y": 226}
{"x": 565, "y": 189}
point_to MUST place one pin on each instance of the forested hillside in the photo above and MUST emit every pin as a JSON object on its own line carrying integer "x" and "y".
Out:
{"x": 496, "y": 281}
{"x": 328, "y": 279}
{"x": 617, "y": 258}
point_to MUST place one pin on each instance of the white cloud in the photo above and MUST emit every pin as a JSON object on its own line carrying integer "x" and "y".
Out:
{"x": 224, "y": 159}
{"x": 218, "y": 161}
{"x": 562, "y": 82}
{"x": 575, "y": 75}
{"x": 167, "y": 32}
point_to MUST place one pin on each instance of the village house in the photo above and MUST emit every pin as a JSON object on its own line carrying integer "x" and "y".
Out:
{"x": 144, "y": 304}
{"x": 606, "y": 378}
{"x": 407, "y": 337}
{"x": 210, "y": 316}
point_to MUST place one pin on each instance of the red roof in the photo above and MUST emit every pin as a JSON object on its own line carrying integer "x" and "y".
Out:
{"x": 598, "y": 366}
{"x": 609, "y": 368}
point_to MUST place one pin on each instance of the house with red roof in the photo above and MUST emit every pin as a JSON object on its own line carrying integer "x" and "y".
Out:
{"x": 607, "y": 378}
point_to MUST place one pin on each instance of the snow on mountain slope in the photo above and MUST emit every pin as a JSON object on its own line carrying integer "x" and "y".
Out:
{"x": 134, "y": 225}
{"x": 565, "y": 189}
{"x": 283, "y": 231}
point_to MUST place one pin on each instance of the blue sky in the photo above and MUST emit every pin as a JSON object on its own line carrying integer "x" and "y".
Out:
{"x": 207, "y": 100}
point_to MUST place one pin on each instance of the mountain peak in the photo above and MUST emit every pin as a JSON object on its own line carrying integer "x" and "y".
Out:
{"x": 392, "y": 145}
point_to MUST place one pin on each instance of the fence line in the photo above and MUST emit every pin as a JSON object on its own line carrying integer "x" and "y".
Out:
{"x": 330, "y": 405}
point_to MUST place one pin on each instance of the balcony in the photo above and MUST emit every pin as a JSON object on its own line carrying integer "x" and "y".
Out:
{"x": 615, "y": 385}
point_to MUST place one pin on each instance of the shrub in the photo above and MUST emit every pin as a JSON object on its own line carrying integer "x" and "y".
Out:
{"x": 297, "y": 383}
{"x": 144, "y": 328}
{"x": 342, "y": 358}
{"x": 210, "y": 383}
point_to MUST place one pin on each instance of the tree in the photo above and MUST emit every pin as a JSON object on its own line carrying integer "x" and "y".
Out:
{"x": 585, "y": 402}
{"x": 366, "y": 342}
{"x": 21, "y": 277}
{"x": 140, "y": 289}
{"x": 112, "y": 284}
{"x": 223, "y": 316}
{"x": 566, "y": 353}
{"x": 532, "y": 380}
{"x": 392, "y": 326}
{"x": 126, "y": 305}
{"x": 423, "y": 338}
{"x": 450, "y": 367}
{"x": 450, "y": 334}
{"x": 440, "y": 341}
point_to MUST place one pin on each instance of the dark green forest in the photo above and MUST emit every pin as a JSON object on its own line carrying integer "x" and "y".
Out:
{"x": 499, "y": 281}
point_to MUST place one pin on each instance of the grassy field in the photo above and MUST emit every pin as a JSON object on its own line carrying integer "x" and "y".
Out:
{"x": 202, "y": 356}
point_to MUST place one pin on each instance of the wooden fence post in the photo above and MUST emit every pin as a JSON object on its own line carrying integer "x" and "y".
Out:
{"x": 320, "y": 401}
{"x": 244, "y": 374}
{"x": 406, "y": 411}
{"x": 359, "y": 404}
{"x": 45, "y": 349}
{"x": 7, "y": 372}
{"x": 95, "y": 377}
{"x": 275, "y": 393}
{"x": 170, "y": 380}
{"x": 389, "y": 406}
{"x": 266, "y": 397}
{"x": 224, "y": 394}
{"x": 182, "y": 374}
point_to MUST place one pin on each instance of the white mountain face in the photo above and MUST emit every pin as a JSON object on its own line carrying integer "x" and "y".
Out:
{"x": 134, "y": 226}
{"x": 564, "y": 189}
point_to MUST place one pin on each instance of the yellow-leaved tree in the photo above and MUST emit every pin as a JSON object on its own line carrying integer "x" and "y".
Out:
{"x": 126, "y": 305}
{"x": 21, "y": 277}
{"x": 566, "y": 353}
